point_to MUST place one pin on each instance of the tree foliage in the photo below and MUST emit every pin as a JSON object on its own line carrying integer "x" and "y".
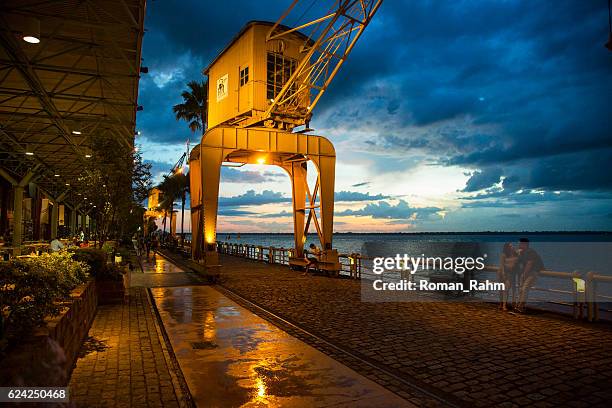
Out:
{"x": 115, "y": 182}
{"x": 194, "y": 107}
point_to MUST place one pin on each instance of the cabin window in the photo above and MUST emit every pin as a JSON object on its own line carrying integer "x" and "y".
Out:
{"x": 280, "y": 69}
{"x": 244, "y": 76}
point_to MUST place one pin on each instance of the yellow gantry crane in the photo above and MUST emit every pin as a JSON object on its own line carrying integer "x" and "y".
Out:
{"x": 262, "y": 86}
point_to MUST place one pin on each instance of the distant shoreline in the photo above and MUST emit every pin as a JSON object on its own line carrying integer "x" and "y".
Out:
{"x": 438, "y": 233}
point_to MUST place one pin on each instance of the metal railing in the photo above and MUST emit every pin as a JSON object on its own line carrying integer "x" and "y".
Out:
{"x": 582, "y": 288}
{"x": 351, "y": 265}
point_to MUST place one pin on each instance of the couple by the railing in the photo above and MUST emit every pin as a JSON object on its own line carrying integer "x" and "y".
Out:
{"x": 518, "y": 271}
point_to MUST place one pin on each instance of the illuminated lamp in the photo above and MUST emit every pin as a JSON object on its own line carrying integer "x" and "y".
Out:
{"x": 31, "y": 30}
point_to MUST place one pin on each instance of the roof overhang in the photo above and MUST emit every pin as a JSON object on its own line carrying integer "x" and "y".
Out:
{"x": 78, "y": 82}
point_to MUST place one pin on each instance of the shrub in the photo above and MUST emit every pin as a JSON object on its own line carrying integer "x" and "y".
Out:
{"x": 95, "y": 258}
{"x": 99, "y": 268}
{"x": 111, "y": 273}
{"x": 108, "y": 247}
{"x": 32, "y": 289}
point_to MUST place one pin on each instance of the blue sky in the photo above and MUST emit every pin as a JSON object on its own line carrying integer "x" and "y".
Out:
{"x": 447, "y": 116}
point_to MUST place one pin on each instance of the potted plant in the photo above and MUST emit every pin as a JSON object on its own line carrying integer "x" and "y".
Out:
{"x": 109, "y": 277}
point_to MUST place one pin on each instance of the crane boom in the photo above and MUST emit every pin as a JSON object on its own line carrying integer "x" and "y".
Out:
{"x": 331, "y": 39}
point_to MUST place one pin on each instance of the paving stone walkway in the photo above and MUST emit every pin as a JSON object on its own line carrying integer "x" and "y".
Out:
{"x": 124, "y": 361}
{"x": 473, "y": 354}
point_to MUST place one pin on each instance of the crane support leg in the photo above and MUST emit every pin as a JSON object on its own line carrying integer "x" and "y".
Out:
{"x": 299, "y": 183}
{"x": 326, "y": 167}
{"x": 289, "y": 151}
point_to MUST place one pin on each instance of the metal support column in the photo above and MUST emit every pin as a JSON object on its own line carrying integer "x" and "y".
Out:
{"x": 18, "y": 219}
{"x": 19, "y": 187}
{"x": 73, "y": 221}
{"x": 55, "y": 213}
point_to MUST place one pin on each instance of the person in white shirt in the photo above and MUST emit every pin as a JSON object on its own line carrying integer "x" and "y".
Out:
{"x": 315, "y": 252}
{"x": 56, "y": 245}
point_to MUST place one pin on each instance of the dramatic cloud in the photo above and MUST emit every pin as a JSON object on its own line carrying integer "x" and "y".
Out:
{"x": 356, "y": 196}
{"x": 480, "y": 180}
{"x": 253, "y": 198}
{"x": 511, "y": 93}
{"x": 229, "y": 175}
{"x": 402, "y": 210}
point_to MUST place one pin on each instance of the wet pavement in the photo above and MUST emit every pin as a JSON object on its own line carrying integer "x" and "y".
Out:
{"x": 124, "y": 361}
{"x": 233, "y": 358}
{"x": 472, "y": 353}
{"x": 159, "y": 264}
{"x": 158, "y": 272}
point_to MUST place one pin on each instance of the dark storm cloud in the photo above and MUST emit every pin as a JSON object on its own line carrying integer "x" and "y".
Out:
{"x": 253, "y": 198}
{"x": 272, "y": 197}
{"x": 229, "y": 175}
{"x": 480, "y": 180}
{"x": 508, "y": 84}
{"x": 515, "y": 91}
{"x": 158, "y": 168}
{"x": 351, "y": 196}
{"x": 231, "y": 212}
{"x": 384, "y": 210}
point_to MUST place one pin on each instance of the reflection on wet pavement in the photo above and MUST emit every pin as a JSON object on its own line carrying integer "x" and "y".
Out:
{"x": 158, "y": 272}
{"x": 232, "y": 358}
{"x": 158, "y": 264}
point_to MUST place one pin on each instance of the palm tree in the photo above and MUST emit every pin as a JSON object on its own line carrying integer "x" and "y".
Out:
{"x": 183, "y": 181}
{"x": 173, "y": 187}
{"x": 193, "y": 110}
{"x": 168, "y": 190}
{"x": 194, "y": 107}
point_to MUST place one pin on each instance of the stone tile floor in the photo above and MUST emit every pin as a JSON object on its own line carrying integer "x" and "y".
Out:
{"x": 123, "y": 362}
{"x": 472, "y": 354}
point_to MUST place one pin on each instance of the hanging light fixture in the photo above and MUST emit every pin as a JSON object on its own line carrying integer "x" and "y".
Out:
{"x": 31, "y": 30}
{"x": 29, "y": 151}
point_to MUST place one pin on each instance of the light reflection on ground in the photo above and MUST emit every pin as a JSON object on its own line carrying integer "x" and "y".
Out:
{"x": 232, "y": 358}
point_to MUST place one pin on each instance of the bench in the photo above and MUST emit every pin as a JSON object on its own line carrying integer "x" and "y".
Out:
{"x": 319, "y": 266}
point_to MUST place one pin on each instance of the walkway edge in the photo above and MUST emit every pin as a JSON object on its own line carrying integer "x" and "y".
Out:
{"x": 178, "y": 380}
{"x": 341, "y": 355}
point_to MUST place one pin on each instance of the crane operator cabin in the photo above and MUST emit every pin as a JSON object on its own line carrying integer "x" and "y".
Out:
{"x": 246, "y": 77}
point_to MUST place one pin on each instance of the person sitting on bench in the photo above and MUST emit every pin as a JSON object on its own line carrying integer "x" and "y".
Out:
{"x": 312, "y": 260}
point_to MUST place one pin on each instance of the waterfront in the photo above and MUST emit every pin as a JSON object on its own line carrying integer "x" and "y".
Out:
{"x": 560, "y": 251}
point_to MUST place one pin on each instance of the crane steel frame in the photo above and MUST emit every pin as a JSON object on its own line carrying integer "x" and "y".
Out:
{"x": 291, "y": 152}
{"x": 332, "y": 38}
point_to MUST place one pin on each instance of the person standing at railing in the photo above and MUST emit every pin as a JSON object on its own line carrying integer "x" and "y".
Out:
{"x": 530, "y": 264}
{"x": 508, "y": 269}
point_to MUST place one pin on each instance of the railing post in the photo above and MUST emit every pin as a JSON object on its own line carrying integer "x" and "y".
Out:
{"x": 271, "y": 256}
{"x": 590, "y": 296}
{"x": 353, "y": 265}
{"x": 578, "y": 285}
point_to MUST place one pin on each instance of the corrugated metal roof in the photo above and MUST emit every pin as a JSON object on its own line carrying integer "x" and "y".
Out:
{"x": 82, "y": 76}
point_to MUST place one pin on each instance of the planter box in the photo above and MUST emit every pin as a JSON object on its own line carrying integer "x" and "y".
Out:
{"x": 110, "y": 292}
{"x": 47, "y": 356}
